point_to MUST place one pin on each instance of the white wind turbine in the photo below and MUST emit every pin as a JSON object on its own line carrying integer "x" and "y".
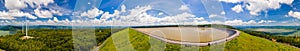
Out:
{"x": 26, "y": 29}
{"x": 26, "y": 26}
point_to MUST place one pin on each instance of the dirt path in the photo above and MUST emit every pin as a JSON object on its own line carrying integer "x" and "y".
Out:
{"x": 101, "y": 45}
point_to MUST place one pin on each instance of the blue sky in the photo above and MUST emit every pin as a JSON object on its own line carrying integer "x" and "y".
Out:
{"x": 150, "y": 12}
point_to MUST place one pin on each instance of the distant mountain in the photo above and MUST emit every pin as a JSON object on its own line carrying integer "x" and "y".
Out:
{"x": 280, "y": 27}
{"x": 10, "y": 27}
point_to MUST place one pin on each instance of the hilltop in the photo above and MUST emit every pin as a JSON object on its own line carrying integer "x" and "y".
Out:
{"x": 130, "y": 39}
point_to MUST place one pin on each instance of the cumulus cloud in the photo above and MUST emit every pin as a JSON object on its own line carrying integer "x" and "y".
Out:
{"x": 232, "y": 1}
{"x": 256, "y": 6}
{"x": 214, "y": 15}
{"x": 223, "y": 13}
{"x": 15, "y": 13}
{"x": 55, "y": 19}
{"x": 43, "y": 13}
{"x": 266, "y": 21}
{"x": 251, "y": 22}
{"x": 34, "y": 3}
{"x": 237, "y": 8}
{"x": 184, "y": 8}
{"x": 56, "y": 12}
{"x": 19, "y": 4}
{"x": 14, "y": 7}
{"x": 294, "y": 14}
{"x": 92, "y": 13}
{"x": 47, "y": 13}
{"x": 14, "y": 4}
{"x": 139, "y": 16}
{"x": 123, "y": 8}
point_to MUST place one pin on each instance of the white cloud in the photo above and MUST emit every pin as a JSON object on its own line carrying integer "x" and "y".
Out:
{"x": 160, "y": 13}
{"x": 231, "y": 1}
{"x": 43, "y": 13}
{"x": 250, "y": 22}
{"x": 139, "y": 16}
{"x": 223, "y": 13}
{"x": 55, "y": 19}
{"x": 14, "y": 7}
{"x": 46, "y": 13}
{"x": 199, "y": 19}
{"x": 184, "y": 8}
{"x": 56, "y": 12}
{"x": 15, "y": 13}
{"x": 5, "y": 15}
{"x": 266, "y": 21}
{"x": 294, "y": 14}
{"x": 123, "y": 8}
{"x": 19, "y": 4}
{"x": 237, "y": 8}
{"x": 213, "y": 15}
{"x": 106, "y": 16}
{"x": 136, "y": 16}
{"x": 255, "y": 6}
{"x": 92, "y": 13}
{"x": 14, "y": 4}
{"x": 235, "y": 22}
{"x": 34, "y": 3}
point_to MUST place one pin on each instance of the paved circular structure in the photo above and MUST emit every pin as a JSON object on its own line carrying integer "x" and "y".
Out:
{"x": 196, "y": 36}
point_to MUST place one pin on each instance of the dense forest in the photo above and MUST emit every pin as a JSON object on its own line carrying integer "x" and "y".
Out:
{"x": 54, "y": 40}
{"x": 292, "y": 40}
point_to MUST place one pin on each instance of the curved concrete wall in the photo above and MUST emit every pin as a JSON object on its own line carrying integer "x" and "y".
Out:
{"x": 236, "y": 33}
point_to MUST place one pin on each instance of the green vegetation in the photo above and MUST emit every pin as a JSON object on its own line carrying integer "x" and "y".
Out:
{"x": 291, "y": 40}
{"x": 252, "y": 43}
{"x": 130, "y": 39}
{"x": 48, "y": 40}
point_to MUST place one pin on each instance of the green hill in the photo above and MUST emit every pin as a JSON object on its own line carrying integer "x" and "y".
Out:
{"x": 129, "y": 39}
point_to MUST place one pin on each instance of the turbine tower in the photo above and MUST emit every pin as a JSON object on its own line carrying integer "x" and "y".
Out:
{"x": 26, "y": 26}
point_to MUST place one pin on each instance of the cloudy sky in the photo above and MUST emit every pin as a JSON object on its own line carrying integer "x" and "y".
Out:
{"x": 150, "y": 12}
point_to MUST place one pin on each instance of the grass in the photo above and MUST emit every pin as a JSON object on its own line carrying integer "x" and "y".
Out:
{"x": 246, "y": 42}
{"x": 128, "y": 40}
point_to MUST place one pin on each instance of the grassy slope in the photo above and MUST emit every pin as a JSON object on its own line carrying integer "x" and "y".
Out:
{"x": 140, "y": 42}
{"x": 253, "y": 43}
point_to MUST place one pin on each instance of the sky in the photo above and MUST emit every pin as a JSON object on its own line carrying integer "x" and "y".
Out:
{"x": 150, "y": 12}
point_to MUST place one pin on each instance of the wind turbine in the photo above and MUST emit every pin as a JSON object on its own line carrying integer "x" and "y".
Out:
{"x": 26, "y": 26}
{"x": 26, "y": 29}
